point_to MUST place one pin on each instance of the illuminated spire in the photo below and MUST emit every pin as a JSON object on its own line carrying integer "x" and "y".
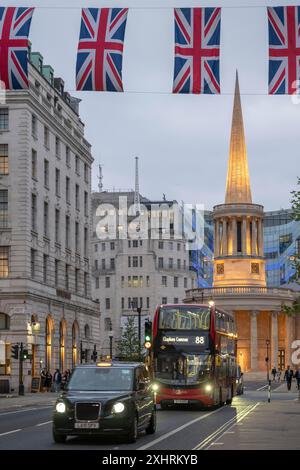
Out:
{"x": 238, "y": 182}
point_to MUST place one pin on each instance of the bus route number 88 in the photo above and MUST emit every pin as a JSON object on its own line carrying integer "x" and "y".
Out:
{"x": 199, "y": 340}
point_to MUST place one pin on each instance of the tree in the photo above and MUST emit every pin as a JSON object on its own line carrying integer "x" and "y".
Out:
{"x": 128, "y": 346}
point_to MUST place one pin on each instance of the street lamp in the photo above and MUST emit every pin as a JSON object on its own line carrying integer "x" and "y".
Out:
{"x": 268, "y": 370}
{"x": 111, "y": 335}
{"x": 139, "y": 312}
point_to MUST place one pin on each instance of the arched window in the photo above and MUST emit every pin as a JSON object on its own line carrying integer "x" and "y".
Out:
{"x": 75, "y": 344}
{"x": 62, "y": 352}
{"x": 87, "y": 332}
{"x": 4, "y": 321}
{"x": 48, "y": 341}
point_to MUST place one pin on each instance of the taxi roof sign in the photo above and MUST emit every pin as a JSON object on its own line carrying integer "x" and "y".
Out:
{"x": 104, "y": 364}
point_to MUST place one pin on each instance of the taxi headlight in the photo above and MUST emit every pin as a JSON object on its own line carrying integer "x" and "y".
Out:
{"x": 155, "y": 387}
{"x": 208, "y": 388}
{"x": 60, "y": 407}
{"x": 118, "y": 407}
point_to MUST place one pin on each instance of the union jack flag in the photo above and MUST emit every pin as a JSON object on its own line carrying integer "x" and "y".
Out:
{"x": 14, "y": 32}
{"x": 284, "y": 50}
{"x": 197, "y": 50}
{"x": 100, "y": 49}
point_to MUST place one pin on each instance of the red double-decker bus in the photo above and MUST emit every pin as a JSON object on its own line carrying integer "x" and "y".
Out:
{"x": 194, "y": 355}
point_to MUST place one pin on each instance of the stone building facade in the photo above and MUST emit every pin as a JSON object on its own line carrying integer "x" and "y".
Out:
{"x": 45, "y": 187}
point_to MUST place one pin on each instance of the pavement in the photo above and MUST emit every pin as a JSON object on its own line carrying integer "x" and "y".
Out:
{"x": 250, "y": 423}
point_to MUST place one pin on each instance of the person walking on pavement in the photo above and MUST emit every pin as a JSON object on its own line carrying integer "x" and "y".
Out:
{"x": 297, "y": 377}
{"x": 48, "y": 381}
{"x": 57, "y": 380}
{"x": 43, "y": 379}
{"x": 274, "y": 372}
{"x": 288, "y": 376}
{"x": 279, "y": 375}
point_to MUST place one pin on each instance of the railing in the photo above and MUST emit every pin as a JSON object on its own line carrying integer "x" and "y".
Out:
{"x": 240, "y": 290}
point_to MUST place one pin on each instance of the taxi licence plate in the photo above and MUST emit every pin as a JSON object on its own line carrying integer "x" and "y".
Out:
{"x": 86, "y": 425}
{"x": 181, "y": 401}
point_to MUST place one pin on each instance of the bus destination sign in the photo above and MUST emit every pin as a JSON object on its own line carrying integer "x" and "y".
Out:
{"x": 184, "y": 339}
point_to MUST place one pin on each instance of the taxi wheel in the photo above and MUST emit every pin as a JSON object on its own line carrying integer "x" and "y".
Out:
{"x": 151, "y": 428}
{"x": 133, "y": 432}
{"x": 59, "y": 438}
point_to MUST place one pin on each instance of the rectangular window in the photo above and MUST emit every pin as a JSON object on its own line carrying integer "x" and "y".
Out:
{"x": 67, "y": 273}
{"x": 164, "y": 300}
{"x": 107, "y": 304}
{"x": 107, "y": 282}
{"x": 141, "y": 302}
{"x": 178, "y": 246}
{"x": 112, "y": 263}
{"x": 178, "y": 264}
{"x": 3, "y": 119}
{"x": 135, "y": 261}
{"x": 164, "y": 281}
{"x": 135, "y": 243}
{"x": 175, "y": 300}
{"x": 3, "y": 208}
{"x": 77, "y": 165}
{"x": 76, "y": 279}
{"x": 68, "y": 156}
{"x": 96, "y": 264}
{"x": 46, "y": 137}
{"x": 129, "y": 281}
{"x": 3, "y": 159}
{"x": 129, "y": 261}
{"x": 33, "y": 164}
{"x": 96, "y": 247}
{"x": 33, "y": 212}
{"x": 57, "y": 226}
{"x": 45, "y": 268}
{"x": 135, "y": 281}
{"x": 103, "y": 246}
{"x": 46, "y": 219}
{"x": 141, "y": 281}
{"x": 46, "y": 173}
{"x": 97, "y": 283}
{"x": 67, "y": 231}
{"x": 148, "y": 281}
{"x": 77, "y": 236}
{"x": 161, "y": 245}
{"x": 175, "y": 281}
{"x": 141, "y": 261}
{"x": 170, "y": 263}
{"x": 86, "y": 204}
{"x": 68, "y": 190}
{"x": 34, "y": 125}
{"x": 112, "y": 245}
{"x": 86, "y": 282}
{"x": 122, "y": 281}
{"x": 160, "y": 262}
{"x": 57, "y": 147}
{"x": 86, "y": 173}
{"x": 122, "y": 303}
{"x": 4, "y": 261}
{"x": 57, "y": 182}
{"x": 185, "y": 282}
{"x": 129, "y": 302}
{"x": 170, "y": 245}
{"x": 56, "y": 271}
{"x": 184, "y": 264}
{"x": 33, "y": 263}
{"x": 77, "y": 197}
{"x": 86, "y": 240}
{"x": 103, "y": 263}
{"x": 148, "y": 302}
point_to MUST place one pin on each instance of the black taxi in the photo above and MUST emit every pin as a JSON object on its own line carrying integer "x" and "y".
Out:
{"x": 106, "y": 399}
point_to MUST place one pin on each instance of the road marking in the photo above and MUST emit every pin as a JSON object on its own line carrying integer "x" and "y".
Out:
{"x": 217, "y": 444}
{"x": 23, "y": 411}
{"x": 229, "y": 432}
{"x": 228, "y": 425}
{"x": 10, "y": 432}
{"x": 42, "y": 424}
{"x": 261, "y": 388}
{"x": 175, "y": 431}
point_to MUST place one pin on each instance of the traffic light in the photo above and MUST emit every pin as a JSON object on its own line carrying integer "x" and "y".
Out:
{"x": 148, "y": 334}
{"x": 82, "y": 355}
{"x": 15, "y": 351}
{"x": 94, "y": 354}
{"x": 24, "y": 355}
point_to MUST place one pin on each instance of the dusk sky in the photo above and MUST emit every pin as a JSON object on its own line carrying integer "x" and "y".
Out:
{"x": 182, "y": 140}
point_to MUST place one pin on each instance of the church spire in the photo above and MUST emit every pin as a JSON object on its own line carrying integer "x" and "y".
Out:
{"x": 238, "y": 182}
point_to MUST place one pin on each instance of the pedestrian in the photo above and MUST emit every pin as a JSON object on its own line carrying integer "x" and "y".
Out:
{"x": 279, "y": 375}
{"x": 43, "y": 380}
{"x": 48, "y": 381}
{"x": 288, "y": 376}
{"x": 297, "y": 377}
{"x": 274, "y": 372}
{"x": 57, "y": 380}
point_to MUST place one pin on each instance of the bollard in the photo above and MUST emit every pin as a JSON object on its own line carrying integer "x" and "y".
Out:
{"x": 269, "y": 392}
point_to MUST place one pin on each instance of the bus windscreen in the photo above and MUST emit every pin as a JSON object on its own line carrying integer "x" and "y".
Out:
{"x": 184, "y": 318}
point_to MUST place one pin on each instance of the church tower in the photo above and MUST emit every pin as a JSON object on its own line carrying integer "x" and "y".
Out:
{"x": 238, "y": 252}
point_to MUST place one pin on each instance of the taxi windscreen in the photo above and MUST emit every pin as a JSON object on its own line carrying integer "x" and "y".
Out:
{"x": 101, "y": 379}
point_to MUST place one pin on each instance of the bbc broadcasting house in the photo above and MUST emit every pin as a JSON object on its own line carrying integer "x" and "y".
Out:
{"x": 45, "y": 187}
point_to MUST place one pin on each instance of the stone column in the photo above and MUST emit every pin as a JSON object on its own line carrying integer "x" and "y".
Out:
{"x": 224, "y": 238}
{"x": 254, "y": 237}
{"x": 217, "y": 237}
{"x": 253, "y": 339}
{"x": 260, "y": 238}
{"x": 248, "y": 239}
{"x": 234, "y": 237}
{"x": 274, "y": 340}
{"x": 244, "y": 236}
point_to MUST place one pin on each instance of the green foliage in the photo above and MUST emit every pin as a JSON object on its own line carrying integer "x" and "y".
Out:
{"x": 296, "y": 216}
{"x": 292, "y": 310}
{"x": 128, "y": 346}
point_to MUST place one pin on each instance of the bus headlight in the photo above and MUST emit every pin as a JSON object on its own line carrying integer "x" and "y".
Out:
{"x": 60, "y": 407}
{"x": 155, "y": 387}
{"x": 118, "y": 407}
{"x": 208, "y": 388}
